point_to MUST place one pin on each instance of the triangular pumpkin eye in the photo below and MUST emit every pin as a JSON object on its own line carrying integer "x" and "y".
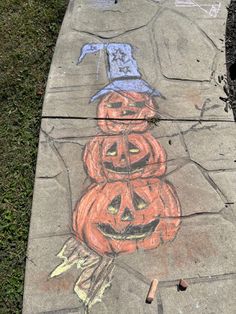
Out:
{"x": 114, "y": 105}
{"x": 138, "y": 104}
{"x": 133, "y": 149}
{"x": 112, "y": 151}
{"x": 138, "y": 202}
{"x": 114, "y": 206}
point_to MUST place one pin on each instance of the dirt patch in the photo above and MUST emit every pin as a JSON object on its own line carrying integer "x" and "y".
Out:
{"x": 231, "y": 55}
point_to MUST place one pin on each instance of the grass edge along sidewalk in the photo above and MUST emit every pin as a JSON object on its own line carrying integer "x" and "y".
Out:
{"x": 28, "y": 31}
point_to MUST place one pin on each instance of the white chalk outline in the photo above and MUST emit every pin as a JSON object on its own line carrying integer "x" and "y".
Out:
{"x": 214, "y": 8}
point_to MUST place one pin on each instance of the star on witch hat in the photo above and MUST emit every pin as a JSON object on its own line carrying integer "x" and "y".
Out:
{"x": 122, "y": 72}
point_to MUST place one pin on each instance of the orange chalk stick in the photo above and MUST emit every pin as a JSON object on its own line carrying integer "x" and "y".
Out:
{"x": 152, "y": 291}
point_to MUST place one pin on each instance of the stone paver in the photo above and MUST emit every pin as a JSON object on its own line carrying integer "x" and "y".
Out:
{"x": 46, "y": 295}
{"x": 179, "y": 51}
{"x": 109, "y": 21}
{"x": 203, "y": 247}
{"x": 186, "y": 54}
{"x": 196, "y": 76}
{"x": 213, "y": 297}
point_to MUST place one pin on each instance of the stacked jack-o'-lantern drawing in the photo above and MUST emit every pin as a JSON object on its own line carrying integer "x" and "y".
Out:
{"x": 128, "y": 206}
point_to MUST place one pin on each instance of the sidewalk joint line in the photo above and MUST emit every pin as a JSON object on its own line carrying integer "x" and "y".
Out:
{"x": 138, "y": 119}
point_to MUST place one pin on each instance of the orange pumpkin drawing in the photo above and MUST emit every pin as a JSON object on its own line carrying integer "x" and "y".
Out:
{"x": 121, "y": 217}
{"x": 119, "y": 157}
{"x": 130, "y": 107}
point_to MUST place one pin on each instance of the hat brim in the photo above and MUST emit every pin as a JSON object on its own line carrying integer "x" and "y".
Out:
{"x": 131, "y": 85}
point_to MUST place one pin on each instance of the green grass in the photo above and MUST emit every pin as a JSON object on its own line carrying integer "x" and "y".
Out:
{"x": 28, "y": 32}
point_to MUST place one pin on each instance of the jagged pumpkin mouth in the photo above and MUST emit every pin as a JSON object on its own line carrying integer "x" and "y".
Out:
{"x": 131, "y": 232}
{"x": 136, "y": 166}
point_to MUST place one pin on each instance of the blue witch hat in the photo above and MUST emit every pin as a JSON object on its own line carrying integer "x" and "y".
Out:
{"x": 123, "y": 71}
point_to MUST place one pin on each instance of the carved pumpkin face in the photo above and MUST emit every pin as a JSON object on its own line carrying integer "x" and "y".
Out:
{"x": 122, "y": 217}
{"x": 118, "y": 157}
{"x": 128, "y": 106}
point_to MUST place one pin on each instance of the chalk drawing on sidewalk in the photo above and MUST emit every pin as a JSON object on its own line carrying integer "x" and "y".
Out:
{"x": 210, "y": 9}
{"x": 119, "y": 158}
{"x": 128, "y": 206}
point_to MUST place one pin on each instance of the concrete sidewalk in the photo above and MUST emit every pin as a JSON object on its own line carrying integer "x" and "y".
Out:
{"x": 120, "y": 197}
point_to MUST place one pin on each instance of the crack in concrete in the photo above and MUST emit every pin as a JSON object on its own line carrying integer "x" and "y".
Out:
{"x": 59, "y": 88}
{"x": 63, "y": 164}
{"x": 157, "y": 2}
{"x": 197, "y": 26}
{"x": 132, "y": 271}
{"x": 183, "y": 142}
{"x": 114, "y": 11}
{"x": 222, "y": 170}
{"x": 49, "y": 177}
{"x": 208, "y": 100}
{"x": 68, "y": 174}
{"x": 199, "y": 279}
{"x": 169, "y": 78}
{"x": 210, "y": 181}
{"x": 197, "y": 214}
{"x": 210, "y": 41}
{"x": 63, "y": 311}
{"x": 192, "y": 128}
{"x": 154, "y": 48}
{"x": 31, "y": 261}
{"x": 110, "y": 31}
{"x": 71, "y": 142}
{"x": 138, "y": 119}
{"x": 181, "y": 165}
{"x": 170, "y": 283}
{"x": 102, "y": 37}
{"x": 52, "y": 235}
